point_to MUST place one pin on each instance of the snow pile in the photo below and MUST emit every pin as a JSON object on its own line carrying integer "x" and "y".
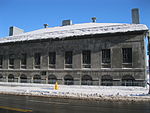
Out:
{"x": 75, "y": 30}
{"x": 74, "y": 91}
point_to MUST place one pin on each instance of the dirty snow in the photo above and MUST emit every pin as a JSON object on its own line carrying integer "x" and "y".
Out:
{"x": 74, "y": 91}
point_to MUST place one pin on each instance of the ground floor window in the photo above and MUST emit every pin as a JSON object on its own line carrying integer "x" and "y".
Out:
{"x": 1, "y": 78}
{"x": 86, "y": 80}
{"x": 37, "y": 79}
{"x": 68, "y": 80}
{"x": 23, "y": 78}
{"x": 52, "y": 79}
{"x": 128, "y": 80}
{"x": 106, "y": 80}
{"x": 11, "y": 78}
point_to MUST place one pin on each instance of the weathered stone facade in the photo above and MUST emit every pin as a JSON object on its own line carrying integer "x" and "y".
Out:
{"x": 94, "y": 43}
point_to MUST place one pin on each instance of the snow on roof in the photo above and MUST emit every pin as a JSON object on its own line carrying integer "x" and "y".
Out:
{"x": 74, "y": 30}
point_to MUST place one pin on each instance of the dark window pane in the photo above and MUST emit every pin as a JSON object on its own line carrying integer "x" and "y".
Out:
{"x": 68, "y": 57}
{"x": 52, "y": 58}
{"x": 86, "y": 57}
{"x": 1, "y": 61}
{"x": 11, "y": 59}
{"x": 106, "y": 56}
{"x": 23, "y": 59}
{"x": 127, "y": 55}
{"x": 37, "y": 57}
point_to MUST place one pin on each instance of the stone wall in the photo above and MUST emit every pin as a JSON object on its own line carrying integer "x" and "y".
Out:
{"x": 94, "y": 43}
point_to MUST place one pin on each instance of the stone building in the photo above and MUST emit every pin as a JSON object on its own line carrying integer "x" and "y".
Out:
{"x": 79, "y": 54}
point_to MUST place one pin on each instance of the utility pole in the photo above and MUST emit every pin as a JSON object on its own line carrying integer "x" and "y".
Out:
{"x": 149, "y": 59}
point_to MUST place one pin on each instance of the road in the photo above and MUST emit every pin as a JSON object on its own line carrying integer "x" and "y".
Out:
{"x": 26, "y": 104}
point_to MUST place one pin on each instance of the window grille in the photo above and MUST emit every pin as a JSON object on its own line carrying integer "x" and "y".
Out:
{"x": 23, "y": 60}
{"x": 86, "y": 58}
{"x": 1, "y": 61}
{"x": 127, "y": 57}
{"x": 52, "y": 59}
{"x": 68, "y": 59}
{"x": 106, "y": 58}
{"x": 11, "y": 61}
{"x": 37, "y": 60}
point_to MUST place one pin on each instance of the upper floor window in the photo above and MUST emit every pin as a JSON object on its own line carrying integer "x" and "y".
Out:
{"x": 68, "y": 59}
{"x": 37, "y": 60}
{"x": 1, "y": 61}
{"x": 127, "y": 57}
{"x": 11, "y": 61}
{"x": 86, "y": 59}
{"x": 23, "y": 60}
{"x": 52, "y": 59}
{"x": 106, "y": 58}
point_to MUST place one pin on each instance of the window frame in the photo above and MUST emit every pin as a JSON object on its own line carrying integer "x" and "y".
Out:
{"x": 52, "y": 62}
{"x": 129, "y": 60}
{"x": 37, "y": 60}
{"x": 23, "y": 60}
{"x": 68, "y": 59}
{"x": 1, "y": 61}
{"x": 86, "y": 59}
{"x": 11, "y": 61}
{"x": 104, "y": 52}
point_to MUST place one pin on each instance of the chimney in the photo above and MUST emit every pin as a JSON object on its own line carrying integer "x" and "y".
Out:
{"x": 15, "y": 31}
{"x": 66, "y": 22}
{"x": 135, "y": 16}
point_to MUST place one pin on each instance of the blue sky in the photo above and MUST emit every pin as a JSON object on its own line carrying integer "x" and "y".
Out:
{"x": 32, "y": 14}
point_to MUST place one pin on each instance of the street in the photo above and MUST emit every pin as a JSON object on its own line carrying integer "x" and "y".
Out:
{"x": 26, "y": 104}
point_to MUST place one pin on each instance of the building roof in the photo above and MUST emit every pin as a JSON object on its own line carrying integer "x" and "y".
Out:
{"x": 75, "y": 30}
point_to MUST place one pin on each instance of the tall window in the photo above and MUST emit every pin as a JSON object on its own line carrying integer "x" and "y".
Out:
{"x": 106, "y": 58}
{"x": 127, "y": 57}
{"x": 86, "y": 58}
{"x": 23, "y": 60}
{"x": 1, "y": 61}
{"x": 52, "y": 59}
{"x": 68, "y": 59}
{"x": 37, "y": 60}
{"x": 11, "y": 61}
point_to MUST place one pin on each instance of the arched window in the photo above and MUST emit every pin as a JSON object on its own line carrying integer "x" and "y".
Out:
{"x": 37, "y": 79}
{"x": 106, "y": 80}
{"x": 23, "y": 78}
{"x": 1, "y": 78}
{"x": 11, "y": 78}
{"x": 68, "y": 80}
{"x": 86, "y": 80}
{"x": 52, "y": 79}
{"x": 128, "y": 80}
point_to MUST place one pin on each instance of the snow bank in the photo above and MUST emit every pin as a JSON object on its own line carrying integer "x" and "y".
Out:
{"x": 75, "y": 30}
{"x": 76, "y": 91}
